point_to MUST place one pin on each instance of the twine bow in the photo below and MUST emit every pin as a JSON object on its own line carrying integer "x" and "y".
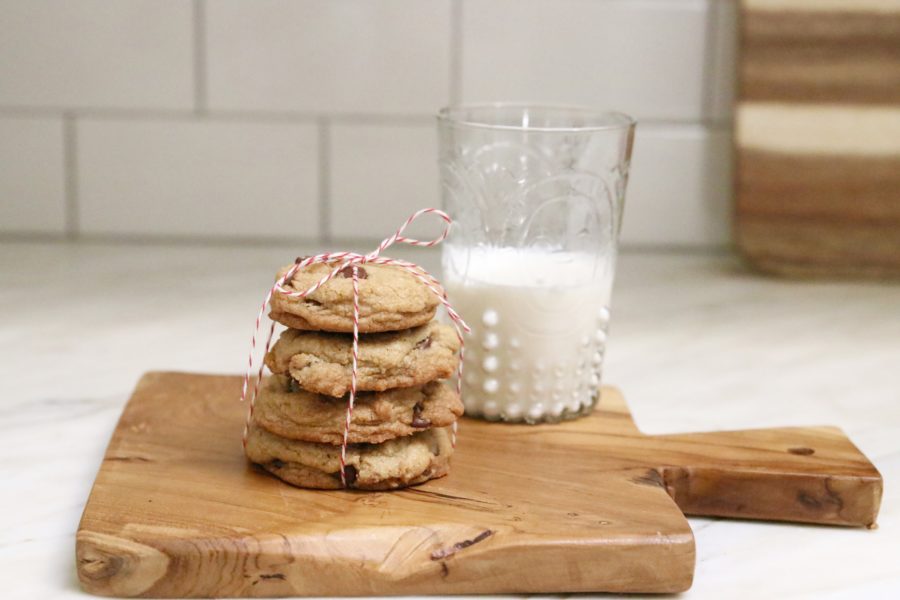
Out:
{"x": 353, "y": 261}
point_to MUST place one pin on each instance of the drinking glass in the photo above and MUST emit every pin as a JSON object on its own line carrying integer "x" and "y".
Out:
{"x": 536, "y": 194}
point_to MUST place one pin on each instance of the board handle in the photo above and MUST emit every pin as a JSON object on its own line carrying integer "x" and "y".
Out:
{"x": 810, "y": 475}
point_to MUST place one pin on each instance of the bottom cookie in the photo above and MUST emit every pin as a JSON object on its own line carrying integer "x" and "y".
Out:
{"x": 396, "y": 463}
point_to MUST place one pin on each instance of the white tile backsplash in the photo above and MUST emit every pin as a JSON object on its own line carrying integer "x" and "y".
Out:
{"x": 322, "y": 56}
{"x": 96, "y": 54}
{"x": 643, "y": 58}
{"x": 32, "y": 179}
{"x": 198, "y": 178}
{"x": 679, "y": 191}
{"x": 380, "y": 174}
{"x": 200, "y": 118}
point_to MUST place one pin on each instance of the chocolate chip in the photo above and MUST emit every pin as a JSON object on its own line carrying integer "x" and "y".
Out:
{"x": 277, "y": 463}
{"x": 347, "y": 272}
{"x": 350, "y": 474}
{"x": 424, "y": 344}
{"x": 417, "y": 421}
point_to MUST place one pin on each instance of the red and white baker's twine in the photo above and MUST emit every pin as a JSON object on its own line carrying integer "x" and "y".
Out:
{"x": 354, "y": 261}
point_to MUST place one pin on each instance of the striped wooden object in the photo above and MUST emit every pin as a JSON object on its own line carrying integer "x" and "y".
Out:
{"x": 818, "y": 137}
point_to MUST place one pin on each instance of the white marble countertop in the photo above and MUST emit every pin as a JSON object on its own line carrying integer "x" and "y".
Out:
{"x": 696, "y": 344}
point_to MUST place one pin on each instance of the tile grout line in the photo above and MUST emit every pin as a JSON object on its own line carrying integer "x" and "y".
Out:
{"x": 710, "y": 59}
{"x": 728, "y": 21}
{"x": 324, "y": 150}
{"x": 70, "y": 171}
{"x": 259, "y": 115}
{"x": 199, "y": 62}
{"x": 262, "y": 116}
{"x": 456, "y": 42}
{"x": 129, "y": 239}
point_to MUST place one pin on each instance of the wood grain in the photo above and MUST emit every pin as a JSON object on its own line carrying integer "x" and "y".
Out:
{"x": 576, "y": 507}
{"x": 831, "y": 208}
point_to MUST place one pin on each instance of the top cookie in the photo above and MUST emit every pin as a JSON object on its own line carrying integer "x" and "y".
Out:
{"x": 390, "y": 299}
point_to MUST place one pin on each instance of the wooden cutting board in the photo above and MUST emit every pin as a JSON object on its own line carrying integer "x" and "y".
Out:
{"x": 588, "y": 505}
{"x": 818, "y": 137}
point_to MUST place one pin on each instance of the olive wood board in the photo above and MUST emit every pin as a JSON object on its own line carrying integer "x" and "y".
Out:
{"x": 586, "y": 505}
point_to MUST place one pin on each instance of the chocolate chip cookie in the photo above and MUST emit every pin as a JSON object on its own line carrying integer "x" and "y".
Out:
{"x": 390, "y": 299}
{"x": 299, "y": 415}
{"x": 321, "y": 362}
{"x": 396, "y": 463}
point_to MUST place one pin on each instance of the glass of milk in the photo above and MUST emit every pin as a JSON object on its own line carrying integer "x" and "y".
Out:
{"x": 536, "y": 195}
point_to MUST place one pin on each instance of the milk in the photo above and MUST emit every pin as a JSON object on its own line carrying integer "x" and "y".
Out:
{"x": 539, "y": 322}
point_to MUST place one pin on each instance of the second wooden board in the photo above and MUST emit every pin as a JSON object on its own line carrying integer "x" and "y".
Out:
{"x": 817, "y": 136}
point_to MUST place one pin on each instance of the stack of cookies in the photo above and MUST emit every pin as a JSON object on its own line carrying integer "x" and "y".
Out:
{"x": 400, "y": 433}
